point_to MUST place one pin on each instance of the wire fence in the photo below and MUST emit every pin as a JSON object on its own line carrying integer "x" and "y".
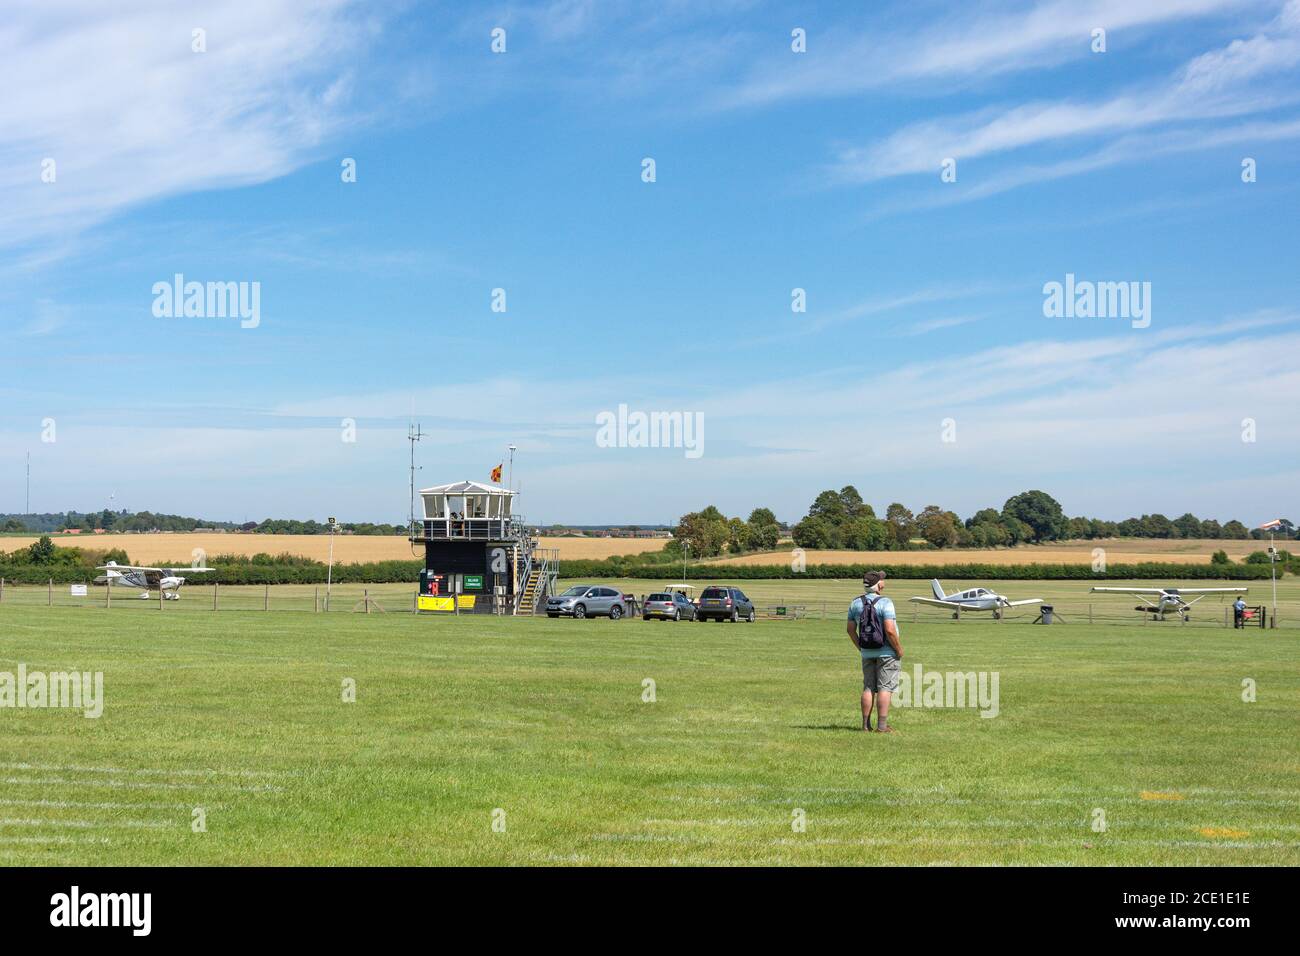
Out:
{"x": 771, "y": 602}
{"x": 192, "y": 598}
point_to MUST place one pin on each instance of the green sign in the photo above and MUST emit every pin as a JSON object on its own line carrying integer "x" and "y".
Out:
{"x": 473, "y": 582}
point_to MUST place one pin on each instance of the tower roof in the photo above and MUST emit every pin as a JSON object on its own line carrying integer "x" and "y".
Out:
{"x": 466, "y": 487}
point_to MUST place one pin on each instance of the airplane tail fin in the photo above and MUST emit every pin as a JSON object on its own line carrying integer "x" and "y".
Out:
{"x": 937, "y": 588}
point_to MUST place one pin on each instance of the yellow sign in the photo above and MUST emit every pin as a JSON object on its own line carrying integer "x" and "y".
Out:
{"x": 427, "y": 602}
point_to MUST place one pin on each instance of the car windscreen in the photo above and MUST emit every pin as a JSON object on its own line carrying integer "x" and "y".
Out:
{"x": 575, "y": 591}
{"x": 715, "y": 593}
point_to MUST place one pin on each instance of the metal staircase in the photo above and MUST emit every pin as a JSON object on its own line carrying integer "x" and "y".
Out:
{"x": 532, "y": 592}
{"x": 539, "y": 568}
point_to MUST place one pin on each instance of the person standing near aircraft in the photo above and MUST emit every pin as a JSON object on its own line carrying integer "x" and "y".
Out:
{"x": 873, "y": 629}
{"x": 1238, "y": 613}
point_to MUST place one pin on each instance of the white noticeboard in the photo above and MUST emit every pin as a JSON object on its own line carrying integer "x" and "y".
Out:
{"x": 78, "y": 590}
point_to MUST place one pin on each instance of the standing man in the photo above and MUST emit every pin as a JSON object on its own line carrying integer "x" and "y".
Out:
{"x": 880, "y": 663}
{"x": 1238, "y": 612}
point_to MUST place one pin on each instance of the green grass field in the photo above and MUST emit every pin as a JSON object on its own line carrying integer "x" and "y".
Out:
{"x": 241, "y": 714}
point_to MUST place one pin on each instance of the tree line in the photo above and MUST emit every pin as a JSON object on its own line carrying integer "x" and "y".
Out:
{"x": 143, "y": 522}
{"x": 843, "y": 520}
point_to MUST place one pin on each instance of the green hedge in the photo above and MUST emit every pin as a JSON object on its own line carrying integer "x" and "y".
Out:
{"x": 378, "y": 572}
{"x": 383, "y": 572}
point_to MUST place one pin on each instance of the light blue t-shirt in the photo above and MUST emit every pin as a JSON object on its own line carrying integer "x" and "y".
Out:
{"x": 885, "y": 611}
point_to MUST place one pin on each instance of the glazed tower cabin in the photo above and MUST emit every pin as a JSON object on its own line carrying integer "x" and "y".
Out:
{"x": 475, "y": 546}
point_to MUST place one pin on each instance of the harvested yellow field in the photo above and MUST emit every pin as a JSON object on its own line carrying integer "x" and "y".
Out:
{"x": 1118, "y": 551}
{"x": 180, "y": 548}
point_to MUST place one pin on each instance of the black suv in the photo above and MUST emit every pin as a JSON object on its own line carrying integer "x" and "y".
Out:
{"x": 725, "y": 604}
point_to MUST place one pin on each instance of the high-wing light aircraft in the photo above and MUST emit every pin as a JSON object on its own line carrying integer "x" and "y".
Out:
{"x": 972, "y": 599}
{"x": 1169, "y": 600}
{"x": 167, "y": 580}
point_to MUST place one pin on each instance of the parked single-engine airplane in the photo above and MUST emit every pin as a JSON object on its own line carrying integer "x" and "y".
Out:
{"x": 1169, "y": 600}
{"x": 166, "y": 580}
{"x": 972, "y": 599}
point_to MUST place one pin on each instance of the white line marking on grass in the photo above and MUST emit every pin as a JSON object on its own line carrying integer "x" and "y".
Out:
{"x": 89, "y": 805}
{"x": 88, "y": 824}
{"x": 144, "y": 771}
{"x": 1017, "y": 843}
{"x": 127, "y": 784}
{"x": 53, "y": 839}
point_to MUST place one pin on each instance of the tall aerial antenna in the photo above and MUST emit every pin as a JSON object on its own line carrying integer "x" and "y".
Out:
{"x": 28, "y": 512}
{"x": 413, "y": 435}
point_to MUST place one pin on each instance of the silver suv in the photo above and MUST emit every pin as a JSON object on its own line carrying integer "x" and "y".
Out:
{"x": 583, "y": 600}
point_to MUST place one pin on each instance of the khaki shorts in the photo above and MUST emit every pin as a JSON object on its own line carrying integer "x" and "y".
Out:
{"x": 880, "y": 674}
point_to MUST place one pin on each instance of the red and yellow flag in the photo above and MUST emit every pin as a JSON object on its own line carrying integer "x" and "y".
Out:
{"x": 496, "y": 474}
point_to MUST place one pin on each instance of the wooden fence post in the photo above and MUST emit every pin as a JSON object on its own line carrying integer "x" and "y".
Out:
{"x": 214, "y": 595}
{"x": 266, "y": 597}
{"x": 50, "y": 597}
{"x": 366, "y": 594}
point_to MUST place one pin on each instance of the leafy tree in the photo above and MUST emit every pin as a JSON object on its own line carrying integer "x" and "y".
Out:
{"x": 814, "y": 532}
{"x": 853, "y": 505}
{"x": 1220, "y": 557}
{"x": 902, "y": 524}
{"x": 829, "y": 506}
{"x": 1189, "y": 526}
{"x": 738, "y": 536}
{"x": 1040, "y": 511}
{"x": 1235, "y": 530}
{"x": 1078, "y": 529}
{"x": 1017, "y": 531}
{"x": 41, "y": 551}
{"x": 936, "y": 526}
{"x": 1157, "y": 526}
{"x": 705, "y": 532}
{"x": 865, "y": 533}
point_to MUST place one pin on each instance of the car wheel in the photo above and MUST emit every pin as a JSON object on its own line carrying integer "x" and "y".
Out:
{"x": 677, "y": 615}
{"x": 580, "y": 611}
{"x": 750, "y": 619}
{"x": 615, "y": 613}
{"x": 735, "y": 616}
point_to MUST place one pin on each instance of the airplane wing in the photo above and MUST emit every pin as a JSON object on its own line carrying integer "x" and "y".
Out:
{"x": 1208, "y": 590}
{"x": 1132, "y": 590}
{"x": 1025, "y": 601}
{"x": 921, "y": 600}
{"x": 177, "y": 572}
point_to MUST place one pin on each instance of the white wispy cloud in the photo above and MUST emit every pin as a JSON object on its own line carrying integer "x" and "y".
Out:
{"x": 115, "y": 95}
{"x": 1247, "y": 76}
{"x": 975, "y": 44}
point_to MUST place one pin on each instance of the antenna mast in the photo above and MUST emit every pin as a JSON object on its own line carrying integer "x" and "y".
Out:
{"x": 413, "y": 435}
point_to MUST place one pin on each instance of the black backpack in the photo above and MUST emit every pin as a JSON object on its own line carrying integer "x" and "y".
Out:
{"x": 871, "y": 627}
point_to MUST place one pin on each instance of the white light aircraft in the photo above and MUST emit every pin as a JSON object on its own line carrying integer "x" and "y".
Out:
{"x": 1169, "y": 600}
{"x": 972, "y": 599}
{"x": 167, "y": 580}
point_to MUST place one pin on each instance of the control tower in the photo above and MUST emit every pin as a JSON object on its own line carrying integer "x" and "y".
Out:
{"x": 478, "y": 556}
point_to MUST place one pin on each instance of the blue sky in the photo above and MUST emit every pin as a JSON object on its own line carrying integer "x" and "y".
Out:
{"x": 775, "y": 170}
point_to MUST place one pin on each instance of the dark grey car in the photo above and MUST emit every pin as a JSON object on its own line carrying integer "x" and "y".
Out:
{"x": 586, "y": 600}
{"x": 725, "y": 604}
{"x": 670, "y": 605}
